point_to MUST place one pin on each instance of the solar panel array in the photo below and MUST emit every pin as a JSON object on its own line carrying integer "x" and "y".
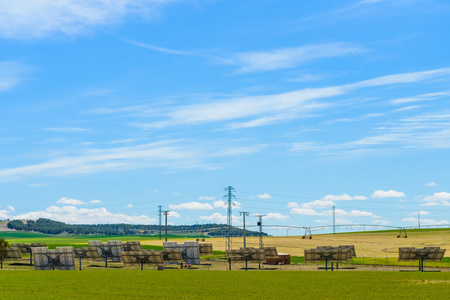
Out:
{"x": 271, "y": 252}
{"x": 87, "y": 252}
{"x": 12, "y": 254}
{"x": 206, "y": 248}
{"x": 61, "y": 258}
{"x": 132, "y": 246}
{"x": 329, "y": 253}
{"x": 172, "y": 256}
{"x": 425, "y": 254}
{"x": 26, "y": 248}
{"x": 247, "y": 254}
{"x": 142, "y": 257}
{"x": 110, "y": 250}
{"x": 190, "y": 251}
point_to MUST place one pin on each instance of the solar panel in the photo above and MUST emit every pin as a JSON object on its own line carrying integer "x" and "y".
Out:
{"x": 132, "y": 246}
{"x": 425, "y": 254}
{"x": 38, "y": 245}
{"x": 351, "y": 247}
{"x": 271, "y": 252}
{"x": 328, "y": 253}
{"x": 108, "y": 251}
{"x": 22, "y": 247}
{"x": 61, "y": 258}
{"x": 87, "y": 252}
{"x": 12, "y": 254}
{"x": 142, "y": 257}
{"x": 247, "y": 254}
{"x": 172, "y": 255}
{"x": 189, "y": 250}
{"x": 206, "y": 248}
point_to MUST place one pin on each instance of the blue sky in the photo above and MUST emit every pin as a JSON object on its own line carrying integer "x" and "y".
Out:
{"x": 111, "y": 108}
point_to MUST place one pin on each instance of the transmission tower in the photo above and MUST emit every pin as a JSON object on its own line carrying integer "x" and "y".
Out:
{"x": 261, "y": 244}
{"x": 160, "y": 225}
{"x": 229, "y": 196}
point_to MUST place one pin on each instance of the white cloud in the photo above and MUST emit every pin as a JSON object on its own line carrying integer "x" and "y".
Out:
{"x": 381, "y": 222}
{"x": 65, "y": 200}
{"x": 219, "y": 218}
{"x": 292, "y": 204}
{"x": 130, "y": 205}
{"x": 425, "y": 221}
{"x": 6, "y": 213}
{"x": 205, "y": 198}
{"x": 224, "y": 204}
{"x": 442, "y": 198}
{"x": 75, "y": 215}
{"x": 343, "y": 197}
{"x": 321, "y": 221}
{"x": 430, "y": 184}
{"x": 423, "y": 97}
{"x": 95, "y": 201}
{"x": 438, "y": 197}
{"x": 173, "y": 214}
{"x": 290, "y": 57}
{"x": 387, "y": 194}
{"x": 276, "y": 216}
{"x": 191, "y": 205}
{"x": 38, "y": 18}
{"x": 422, "y": 212}
{"x": 264, "y": 196}
{"x": 318, "y": 204}
{"x": 304, "y": 211}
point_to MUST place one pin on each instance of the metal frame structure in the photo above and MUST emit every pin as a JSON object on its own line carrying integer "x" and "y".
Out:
{"x": 142, "y": 257}
{"x": 110, "y": 250}
{"x": 420, "y": 254}
{"x": 330, "y": 254}
{"x": 61, "y": 258}
{"x": 190, "y": 251}
{"x": 86, "y": 252}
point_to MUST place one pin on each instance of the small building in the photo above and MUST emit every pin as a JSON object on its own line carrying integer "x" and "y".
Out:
{"x": 283, "y": 259}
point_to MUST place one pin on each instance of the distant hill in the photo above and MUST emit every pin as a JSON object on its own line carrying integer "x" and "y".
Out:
{"x": 55, "y": 227}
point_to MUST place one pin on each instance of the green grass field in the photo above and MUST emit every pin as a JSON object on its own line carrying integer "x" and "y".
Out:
{"x": 186, "y": 284}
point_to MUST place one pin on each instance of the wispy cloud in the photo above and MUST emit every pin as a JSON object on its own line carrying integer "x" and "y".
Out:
{"x": 30, "y": 18}
{"x": 170, "y": 154}
{"x": 68, "y": 129}
{"x": 11, "y": 74}
{"x": 284, "y": 58}
{"x": 262, "y": 110}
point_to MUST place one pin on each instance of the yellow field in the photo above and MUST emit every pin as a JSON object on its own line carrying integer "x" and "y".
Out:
{"x": 366, "y": 244}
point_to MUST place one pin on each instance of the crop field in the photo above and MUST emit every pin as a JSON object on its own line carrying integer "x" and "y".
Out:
{"x": 185, "y": 284}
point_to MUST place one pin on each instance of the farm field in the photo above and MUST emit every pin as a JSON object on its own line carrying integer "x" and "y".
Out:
{"x": 185, "y": 284}
{"x": 367, "y": 244}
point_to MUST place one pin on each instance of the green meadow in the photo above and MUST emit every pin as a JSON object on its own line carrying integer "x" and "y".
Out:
{"x": 187, "y": 284}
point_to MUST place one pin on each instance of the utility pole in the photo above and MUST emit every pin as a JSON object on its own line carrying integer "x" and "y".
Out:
{"x": 243, "y": 214}
{"x": 229, "y": 196}
{"x": 166, "y": 213}
{"x": 261, "y": 244}
{"x": 160, "y": 225}
{"x": 334, "y": 219}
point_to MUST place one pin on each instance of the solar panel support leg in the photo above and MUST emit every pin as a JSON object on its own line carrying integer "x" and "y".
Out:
{"x": 229, "y": 264}
{"x": 80, "y": 263}
{"x": 31, "y": 258}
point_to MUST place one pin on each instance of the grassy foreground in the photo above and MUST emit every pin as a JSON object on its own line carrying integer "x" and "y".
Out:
{"x": 105, "y": 284}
